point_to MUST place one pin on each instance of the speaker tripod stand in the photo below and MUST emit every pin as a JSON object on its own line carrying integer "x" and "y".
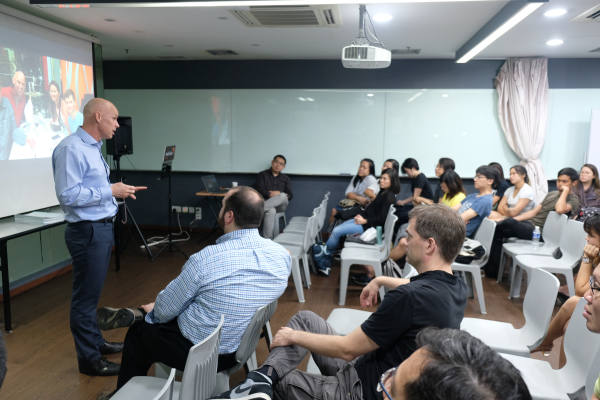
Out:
{"x": 166, "y": 173}
{"x": 119, "y": 223}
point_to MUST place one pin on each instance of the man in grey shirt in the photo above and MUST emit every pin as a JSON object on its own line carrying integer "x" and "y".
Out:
{"x": 276, "y": 189}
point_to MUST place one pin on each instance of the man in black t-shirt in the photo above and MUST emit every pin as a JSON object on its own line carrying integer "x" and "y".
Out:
{"x": 276, "y": 189}
{"x": 419, "y": 187}
{"x": 351, "y": 365}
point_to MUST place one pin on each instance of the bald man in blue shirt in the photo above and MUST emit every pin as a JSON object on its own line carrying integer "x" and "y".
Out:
{"x": 83, "y": 188}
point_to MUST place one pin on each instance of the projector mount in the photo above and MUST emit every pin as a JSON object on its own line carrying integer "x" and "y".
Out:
{"x": 363, "y": 38}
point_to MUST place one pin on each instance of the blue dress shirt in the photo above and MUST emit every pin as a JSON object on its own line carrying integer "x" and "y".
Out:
{"x": 235, "y": 277}
{"x": 81, "y": 179}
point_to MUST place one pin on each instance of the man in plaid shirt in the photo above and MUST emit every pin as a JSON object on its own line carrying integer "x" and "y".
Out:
{"x": 235, "y": 277}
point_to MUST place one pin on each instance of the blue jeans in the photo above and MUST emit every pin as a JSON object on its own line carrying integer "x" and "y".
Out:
{"x": 347, "y": 228}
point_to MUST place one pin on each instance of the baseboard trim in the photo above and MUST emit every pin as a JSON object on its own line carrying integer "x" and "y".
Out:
{"x": 30, "y": 282}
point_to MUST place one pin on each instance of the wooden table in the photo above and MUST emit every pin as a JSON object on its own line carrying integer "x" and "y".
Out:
{"x": 215, "y": 197}
{"x": 9, "y": 229}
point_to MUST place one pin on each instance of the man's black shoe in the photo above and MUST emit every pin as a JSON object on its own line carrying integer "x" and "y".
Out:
{"x": 256, "y": 387}
{"x": 111, "y": 318}
{"x": 99, "y": 367}
{"x": 111, "y": 348}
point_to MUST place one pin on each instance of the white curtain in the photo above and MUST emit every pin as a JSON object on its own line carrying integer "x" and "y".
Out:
{"x": 522, "y": 86}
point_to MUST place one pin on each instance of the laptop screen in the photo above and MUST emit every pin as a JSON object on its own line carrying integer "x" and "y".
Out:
{"x": 210, "y": 181}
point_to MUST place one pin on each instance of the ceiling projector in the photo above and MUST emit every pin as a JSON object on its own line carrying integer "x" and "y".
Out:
{"x": 365, "y": 57}
{"x": 365, "y": 53}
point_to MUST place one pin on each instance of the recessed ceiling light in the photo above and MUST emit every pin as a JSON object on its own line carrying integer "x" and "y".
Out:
{"x": 370, "y": 95}
{"x": 382, "y": 17}
{"x": 557, "y": 12}
{"x": 110, "y": 20}
{"x": 554, "y": 42}
{"x": 223, "y": 18}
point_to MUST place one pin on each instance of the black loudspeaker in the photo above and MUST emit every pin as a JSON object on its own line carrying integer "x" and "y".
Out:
{"x": 122, "y": 143}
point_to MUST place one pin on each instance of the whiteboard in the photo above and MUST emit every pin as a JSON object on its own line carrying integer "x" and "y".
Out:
{"x": 593, "y": 156}
{"x": 327, "y": 132}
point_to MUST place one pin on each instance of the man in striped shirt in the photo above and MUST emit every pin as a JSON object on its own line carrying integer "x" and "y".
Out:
{"x": 235, "y": 277}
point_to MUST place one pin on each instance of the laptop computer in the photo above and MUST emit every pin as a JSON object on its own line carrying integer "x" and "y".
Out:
{"x": 210, "y": 182}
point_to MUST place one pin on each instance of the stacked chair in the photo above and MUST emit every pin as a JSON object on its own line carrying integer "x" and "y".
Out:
{"x": 199, "y": 376}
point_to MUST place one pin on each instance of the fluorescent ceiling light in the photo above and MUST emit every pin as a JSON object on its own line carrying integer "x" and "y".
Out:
{"x": 557, "y": 12}
{"x": 554, "y": 42}
{"x": 382, "y": 17}
{"x": 241, "y": 3}
{"x": 414, "y": 97}
{"x": 310, "y": 99}
{"x": 444, "y": 95}
{"x": 370, "y": 95}
{"x": 508, "y": 25}
{"x": 301, "y": 99}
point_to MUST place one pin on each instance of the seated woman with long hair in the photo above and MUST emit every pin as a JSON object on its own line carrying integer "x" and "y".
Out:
{"x": 588, "y": 191}
{"x": 453, "y": 189}
{"x": 590, "y": 261}
{"x": 372, "y": 216}
{"x": 517, "y": 199}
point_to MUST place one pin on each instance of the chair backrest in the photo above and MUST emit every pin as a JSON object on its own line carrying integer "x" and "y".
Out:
{"x": 581, "y": 346}
{"x": 538, "y": 306}
{"x": 310, "y": 232}
{"x": 390, "y": 221}
{"x": 485, "y": 236}
{"x": 592, "y": 376}
{"x": 572, "y": 242}
{"x": 409, "y": 271}
{"x": 199, "y": 375}
{"x": 252, "y": 335}
{"x": 166, "y": 392}
{"x": 323, "y": 216}
{"x": 554, "y": 227}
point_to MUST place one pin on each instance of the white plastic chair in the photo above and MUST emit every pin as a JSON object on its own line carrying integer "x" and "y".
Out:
{"x": 299, "y": 251}
{"x": 199, "y": 376}
{"x": 581, "y": 346}
{"x": 365, "y": 256}
{"x": 552, "y": 232}
{"x": 592, "y": 376}
{"x": 278, "y": 217}
{"x": 387, "y": 227}
{"x": 537, "y": 308}
{"x": 571, "y": 246}
{"x": 409, "y": 271}
{"x": 485, "y": 236}
{"x": 297, "y": 219}
{"x": 300, "y": 227}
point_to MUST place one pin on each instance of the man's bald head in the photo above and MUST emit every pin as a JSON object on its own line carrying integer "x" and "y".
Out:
{"x": 96, "y": 105}
{"x": 247, "y": 205}
{"x": 19, "y": 83}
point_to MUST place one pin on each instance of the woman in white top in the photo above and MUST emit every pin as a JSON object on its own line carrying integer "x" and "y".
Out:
{"x": 364, "y": 179}
{"x": 517, "y": 199}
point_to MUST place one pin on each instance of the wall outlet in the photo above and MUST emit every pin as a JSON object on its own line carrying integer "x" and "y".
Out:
{"x": 198, "y": 212}
{"x": 185, "y": 209}
{"x": 191, "y": 210}
{"x": 176, "y": 209}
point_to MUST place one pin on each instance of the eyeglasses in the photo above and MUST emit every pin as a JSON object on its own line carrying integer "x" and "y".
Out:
{"x": 592, "y": 288}
{"x": 386, "y": 381}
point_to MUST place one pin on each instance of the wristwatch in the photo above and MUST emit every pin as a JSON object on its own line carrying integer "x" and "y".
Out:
{"x": 585, "y": 259}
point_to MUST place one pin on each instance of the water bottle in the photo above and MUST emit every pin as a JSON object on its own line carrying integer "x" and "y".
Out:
{"x": 535, "y": 240}
{"x": 379, "y": 230}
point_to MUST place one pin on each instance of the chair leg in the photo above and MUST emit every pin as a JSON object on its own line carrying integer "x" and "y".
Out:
{"x": 268, "y": 334}
{"x": 476, "y": 278}
{"x": 222, "y": 383}
{"x": 570, "y": 284}
{"x": 469, "y": 281}
{"x": 515, "y": 285}
{"x": 344, "y": 273}
{"x": 305, "y": 269}
{"x": 501, "y": 269}
{"x": 297, "y": 279}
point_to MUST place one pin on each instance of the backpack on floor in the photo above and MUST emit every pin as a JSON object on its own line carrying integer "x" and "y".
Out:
{"x": 321, "y": 256}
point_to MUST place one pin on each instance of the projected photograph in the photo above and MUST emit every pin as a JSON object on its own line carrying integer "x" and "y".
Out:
{"x": 41, "y": 99}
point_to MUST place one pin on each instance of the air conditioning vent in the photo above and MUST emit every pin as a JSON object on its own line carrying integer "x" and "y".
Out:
{"x": 317, "y": 16}
{"x": 595, "y": 50}
{"x": 408, "y": 50}
{"x": 222, "y": 52}
{"x": 591, "y": 15}
{"x": 171, "y": 57}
